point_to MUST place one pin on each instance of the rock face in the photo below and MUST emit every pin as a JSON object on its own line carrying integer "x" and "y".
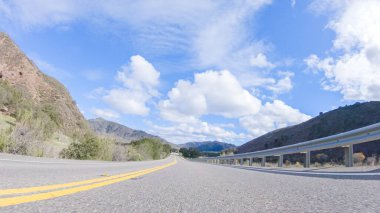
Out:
{"x": 208, "y": 146}
{"x": 19, "y": 71}
{"x": 120, "y": 132}
{"x": 336, "y": 121}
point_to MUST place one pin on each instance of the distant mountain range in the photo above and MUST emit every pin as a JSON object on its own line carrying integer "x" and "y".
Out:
{"x": 121, "y": 133}
{"x": 208, "y": 146}
{"x": 333, "y": 122}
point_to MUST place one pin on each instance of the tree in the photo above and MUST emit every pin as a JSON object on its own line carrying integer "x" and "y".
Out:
{"x": 190, "y": 153}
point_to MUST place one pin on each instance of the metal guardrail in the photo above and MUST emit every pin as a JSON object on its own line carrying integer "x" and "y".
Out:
{"x": 345, "y": 140}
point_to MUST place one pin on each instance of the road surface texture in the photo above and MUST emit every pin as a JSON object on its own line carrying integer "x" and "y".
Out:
{"x": 184, "y": 187}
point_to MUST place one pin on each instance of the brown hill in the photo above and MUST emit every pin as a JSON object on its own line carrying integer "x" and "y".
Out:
{"x": 17, "y": 70}
{"x": 336, "y": 121}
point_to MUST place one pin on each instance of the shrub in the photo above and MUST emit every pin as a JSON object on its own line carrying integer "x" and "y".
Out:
{"x": 84, "y": 148}
{"x": 4, "y": 138}
{"x": 106, "y": 149}
{"x": 190, "y": 152}
{"x": 52, "y": 114}
{"x": 133, "y": 155}
{"x": 119, "y": 153}
{"x": 358, "y": 157}
{"x": 25, "y": 140}
{"x": 149, "y": 149}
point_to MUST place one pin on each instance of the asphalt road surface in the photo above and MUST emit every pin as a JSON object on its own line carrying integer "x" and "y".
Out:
{"x": 175, "y": 185}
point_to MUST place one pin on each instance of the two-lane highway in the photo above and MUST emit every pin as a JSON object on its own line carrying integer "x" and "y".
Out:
{"x": 173, "y": 185}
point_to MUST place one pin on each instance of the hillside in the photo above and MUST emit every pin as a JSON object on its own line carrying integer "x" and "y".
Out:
{"x": 208, "y": 146}
{"x": 121, "y": 133}
{"x": 38, "y": 117}
{"x": 333, "y": 122}
{"x": 41, "y": 91}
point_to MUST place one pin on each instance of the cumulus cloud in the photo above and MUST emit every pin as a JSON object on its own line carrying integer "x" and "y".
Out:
{"x": 272, "y": 116}
{"x": 139, "y": 79}
{"x": 353, "y": 67}
{"x": 212, "y": 92}
{"x": 197, "y": 130}
{"x": 105, "y": 113}
{"x": 220, "y": 93}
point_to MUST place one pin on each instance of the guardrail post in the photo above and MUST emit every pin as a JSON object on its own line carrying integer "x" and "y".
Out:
{"x": 307, "y": 160}
{"x": 280, "y": 160}
{"x": 348, "y": 155}
{"x": 250, "y": 161}
{"x": 263, "y": 161}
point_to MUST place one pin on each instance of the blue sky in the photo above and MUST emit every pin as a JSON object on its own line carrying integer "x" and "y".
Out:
{"x": 203, "y": 70}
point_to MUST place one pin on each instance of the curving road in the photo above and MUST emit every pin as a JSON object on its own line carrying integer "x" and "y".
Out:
{"x": 177, "y": 185}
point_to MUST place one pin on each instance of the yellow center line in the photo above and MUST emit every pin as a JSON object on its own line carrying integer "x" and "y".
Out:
{"x": 63, "y": 192}
{"x": 64, "y": 185}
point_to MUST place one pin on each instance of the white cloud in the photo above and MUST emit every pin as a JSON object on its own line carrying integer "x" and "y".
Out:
{"x": 354, "y": 68}
{"x": 272, "y": 116}
{"x": 212, "y": 92}
{"x": 128, "y": 101}
{"x": 260, "y": 60}
{"x": 140, "y": 80}
{"x": 197, "y": 131}
{"x": 220, "y": 93}
{"x": 283, "y": 85}
{"x": 139, "y": 75}
{"x": 212, "y": 34}
{"x": 105, "y": 113}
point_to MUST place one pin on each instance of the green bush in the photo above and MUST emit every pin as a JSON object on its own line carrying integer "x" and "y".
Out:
{"x": 106, "y": 149}
{"x": 190, "y": 152}
{"x": 4, "y": 138}
{"x": 91, "y": 147}
{"x": 150, "y": 149}
{"x": 86, "y": 148}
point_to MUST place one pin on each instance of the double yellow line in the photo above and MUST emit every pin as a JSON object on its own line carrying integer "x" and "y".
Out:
{"x": 62, "y": 189}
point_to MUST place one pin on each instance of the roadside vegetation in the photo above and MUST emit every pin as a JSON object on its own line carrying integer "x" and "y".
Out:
{"x": 27, "y": 128}
{"x": 190, "y": 152}
{"x": 92, "y": 147}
